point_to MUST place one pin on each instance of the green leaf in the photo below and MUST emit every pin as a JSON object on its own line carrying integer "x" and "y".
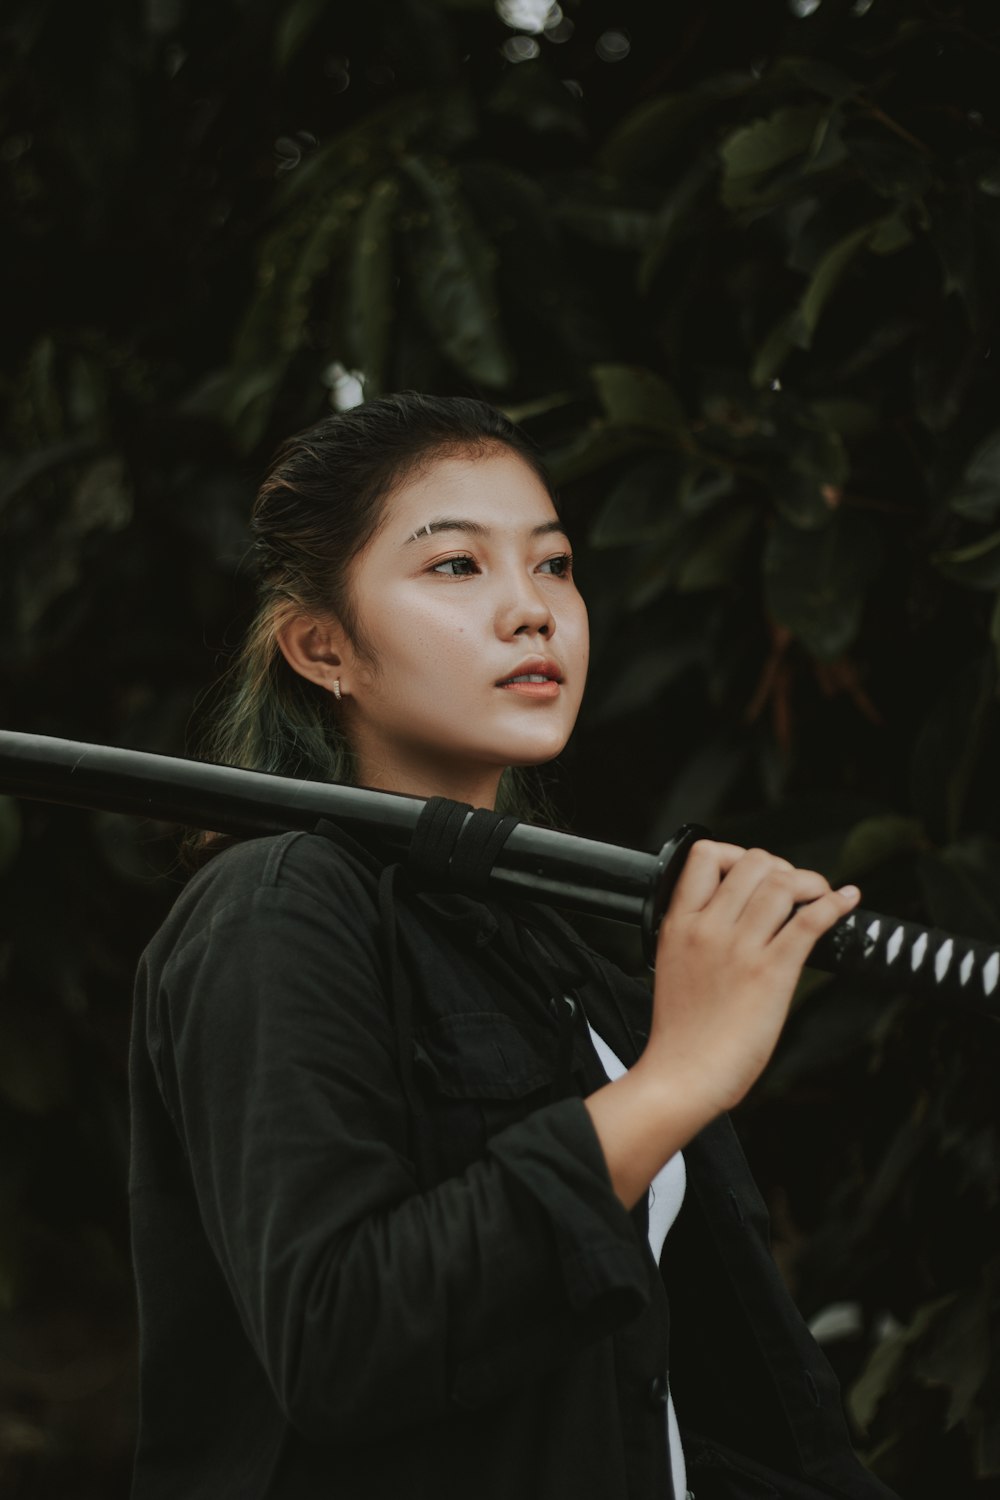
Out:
{"x": 699, "y": 788}
{"x": 644, "y": 137}
{"x": 316, "y": 258}
{"x": 19, "y": 474}
{"x": 523, "y": 411}
{"x": 777, "y": 346}
{"x": 977, "y": 494}
{"x": 988, "y": 180}
{"x": 977, "y": 566}
{"x": 454, "y": 270}
{"x": 714, "y": 560}
{"x": 953, "y": 738}
{"x": 642, "y": 679}
{"x": 642, "y": 505}
{"x": 356, "y": 157}
{"x": 598, "y": 445}
{"x": 635, "y": 397}
{"x": 953, "y": 235}
{"x": 815, "y": 581}
{"x": 687, "y": 554}
{"x": 368, "y": 317}
{"x": 765, "y": 144}
{"x": 86, "y": 394}
{"x": 607, "y": 221}
{"x": 954, "y": 1352}
{"x": 639, "y": 142}
{"x": 824, "y": 281}
{"x": 655, "y": 571}
{"x": 797, "y": 328}
{"x": 873, "y": 842}
{"x": 294, "y": 25}
{"x": 43, "y": 390}
{"x": 882, "y": 1373}
{"x": 102, "y": 499}
{"x": 677, "y": 218}
{"x": 755, "y": 152}
{"x": 822, "y": 77}
{"x": 702, "y": 489}
{"x": 848, "y": 416}
{"x": 837, "y": 1025}
{"x": 889, "y": 235}
{"x": 516, "y": 216}
{"x": 297, "y": 254}
{"x": 245, "y": 398}
{"x": 805, "y": 481}
{"x": 961, "y": 887}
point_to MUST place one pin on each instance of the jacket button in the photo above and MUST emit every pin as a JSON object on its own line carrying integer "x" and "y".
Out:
{"x": 658, "y": 1393}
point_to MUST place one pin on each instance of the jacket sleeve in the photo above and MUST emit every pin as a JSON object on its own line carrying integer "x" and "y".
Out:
{"x": 372, "y": 1305}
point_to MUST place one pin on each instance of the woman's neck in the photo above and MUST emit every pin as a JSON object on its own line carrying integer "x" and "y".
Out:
{"x": 477, "y": 785}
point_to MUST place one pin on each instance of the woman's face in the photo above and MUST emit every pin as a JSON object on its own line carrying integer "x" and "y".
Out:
{"x": 467, "y": 584}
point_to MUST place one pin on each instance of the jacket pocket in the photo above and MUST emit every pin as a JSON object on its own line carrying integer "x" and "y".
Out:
{"x": 478, "y": 1072}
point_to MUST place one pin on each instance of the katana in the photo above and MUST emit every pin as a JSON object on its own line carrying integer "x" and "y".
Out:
{"x": 545, "y": 864}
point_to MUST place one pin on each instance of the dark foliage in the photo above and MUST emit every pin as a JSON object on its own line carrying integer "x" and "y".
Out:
{"x": 735, "y": 267}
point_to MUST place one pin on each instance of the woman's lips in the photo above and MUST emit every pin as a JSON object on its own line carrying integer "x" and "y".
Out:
{"x": 548, "y": 689}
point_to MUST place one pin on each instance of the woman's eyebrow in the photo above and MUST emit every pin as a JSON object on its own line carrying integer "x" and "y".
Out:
{"x": 475, "y": 528}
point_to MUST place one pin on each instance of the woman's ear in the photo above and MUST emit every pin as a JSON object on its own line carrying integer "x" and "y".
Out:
{"x": 314, "y": 648}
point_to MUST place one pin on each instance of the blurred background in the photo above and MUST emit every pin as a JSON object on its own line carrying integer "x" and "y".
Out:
{"x": 735, "y": 267}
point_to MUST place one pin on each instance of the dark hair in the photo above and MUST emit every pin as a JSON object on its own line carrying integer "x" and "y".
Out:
{"x": 321, "y": 501}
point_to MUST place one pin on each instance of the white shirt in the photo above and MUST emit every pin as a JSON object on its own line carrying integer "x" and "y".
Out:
{"x": 666, "y": 1194}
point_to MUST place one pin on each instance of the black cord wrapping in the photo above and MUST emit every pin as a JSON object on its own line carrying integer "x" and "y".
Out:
{"x": 459, "y": 843}
{"x": 435, "y": 836}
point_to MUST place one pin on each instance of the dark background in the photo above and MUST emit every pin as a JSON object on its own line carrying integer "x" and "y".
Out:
{"x": 734, "y": 265}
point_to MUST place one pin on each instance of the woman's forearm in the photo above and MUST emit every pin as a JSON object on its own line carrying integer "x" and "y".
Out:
{"x": 641, "y": 1121}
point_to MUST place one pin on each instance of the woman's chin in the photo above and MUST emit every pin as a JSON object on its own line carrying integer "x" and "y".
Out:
{"x": 536, "y": 751}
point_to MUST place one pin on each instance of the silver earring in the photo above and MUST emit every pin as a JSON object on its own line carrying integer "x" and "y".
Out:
{"x": 336, "y": 689}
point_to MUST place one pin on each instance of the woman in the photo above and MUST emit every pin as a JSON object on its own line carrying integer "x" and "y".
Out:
{"x": 393, "y": 1145}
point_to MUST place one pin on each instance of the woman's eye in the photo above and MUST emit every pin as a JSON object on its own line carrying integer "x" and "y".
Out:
{"x": 465, "y": 567}
{"x": 458, "y": 567}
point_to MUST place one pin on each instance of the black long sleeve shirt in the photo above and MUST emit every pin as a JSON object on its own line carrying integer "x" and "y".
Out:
{"x": 377, "y": 1249}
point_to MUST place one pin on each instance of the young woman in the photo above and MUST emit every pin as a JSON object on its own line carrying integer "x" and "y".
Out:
{"x": 409, "y": 1163}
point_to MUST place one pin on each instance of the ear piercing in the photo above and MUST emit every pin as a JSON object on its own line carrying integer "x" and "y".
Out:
{"x": 336, "y": 689}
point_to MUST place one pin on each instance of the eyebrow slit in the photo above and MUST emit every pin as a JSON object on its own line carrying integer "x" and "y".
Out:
{"x": 474, "y": 528}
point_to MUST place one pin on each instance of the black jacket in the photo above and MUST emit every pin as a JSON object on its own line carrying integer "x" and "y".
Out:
{"x": 376, "y": 1246}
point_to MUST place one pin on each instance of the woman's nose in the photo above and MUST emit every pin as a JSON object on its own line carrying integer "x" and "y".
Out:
{"x": 525, "y": 610}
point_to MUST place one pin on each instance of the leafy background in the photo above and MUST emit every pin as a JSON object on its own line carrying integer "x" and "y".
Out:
{"x": 735, "y": 268}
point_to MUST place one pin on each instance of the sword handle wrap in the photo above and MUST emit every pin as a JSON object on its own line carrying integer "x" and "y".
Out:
{"x": 907, "y": 955}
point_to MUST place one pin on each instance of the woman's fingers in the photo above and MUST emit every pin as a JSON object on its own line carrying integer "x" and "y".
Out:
{"x": 754, "y": 896}
{"x": 772, "y": 901}
{"x": 724, "y": 876}
{"x": 743, "y": 880}
{"x": 706, "y": 863}
{"x": 797, "y": 938}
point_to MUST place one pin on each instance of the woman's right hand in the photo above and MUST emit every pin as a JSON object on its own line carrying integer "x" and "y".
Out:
{"x": 739, "y": 927}
{"x": 729, "y": 953}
